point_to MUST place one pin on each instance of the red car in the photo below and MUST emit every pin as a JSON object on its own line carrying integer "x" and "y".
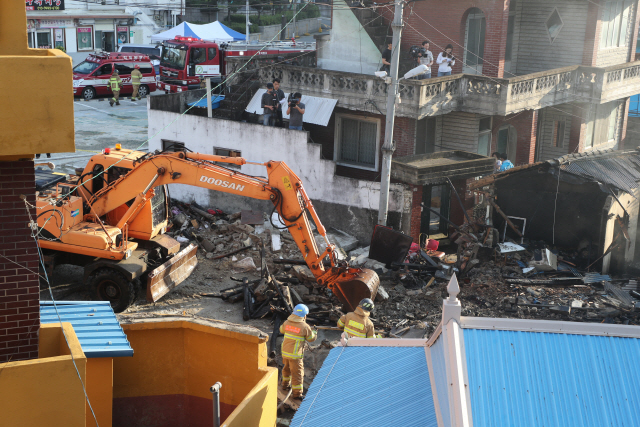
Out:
{"x": 91, "y": 77}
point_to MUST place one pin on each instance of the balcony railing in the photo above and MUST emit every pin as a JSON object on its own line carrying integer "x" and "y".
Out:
{"x": 463, "y": 92}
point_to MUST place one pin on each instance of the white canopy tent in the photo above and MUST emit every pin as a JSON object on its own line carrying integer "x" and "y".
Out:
{"x": 213, "y": 32}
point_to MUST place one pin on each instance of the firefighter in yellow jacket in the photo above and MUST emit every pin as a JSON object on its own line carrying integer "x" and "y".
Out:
{"x": 136, "y": 78}
{"x": 114, "y": 84}
{"x": 357, "y": 323}
{"x": 296, "y": 333}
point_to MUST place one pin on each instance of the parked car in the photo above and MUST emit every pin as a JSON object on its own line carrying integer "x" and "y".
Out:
{"x": 91, "y": 76}
{"x": 154, "y": 52}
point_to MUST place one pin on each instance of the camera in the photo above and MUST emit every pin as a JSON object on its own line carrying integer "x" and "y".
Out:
{"x": 292, "y": 100}
{"x": 415, "y": 51}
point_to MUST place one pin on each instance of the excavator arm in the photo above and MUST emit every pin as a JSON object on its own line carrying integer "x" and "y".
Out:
{"x": 282, "y": 187}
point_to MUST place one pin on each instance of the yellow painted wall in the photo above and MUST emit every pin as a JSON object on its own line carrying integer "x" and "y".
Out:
{"x": 36, "y": 112}
{"x": 100, "y": 391}
{"x": 183, "y": 357}
{"x": 45, "y": 391}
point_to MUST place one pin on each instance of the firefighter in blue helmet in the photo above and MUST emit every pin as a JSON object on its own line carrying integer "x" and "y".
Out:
{"x": 296, "y": 333}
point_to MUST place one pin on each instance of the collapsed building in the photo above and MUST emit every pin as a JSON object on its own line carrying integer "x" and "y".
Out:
{"x": 585, "y": 201}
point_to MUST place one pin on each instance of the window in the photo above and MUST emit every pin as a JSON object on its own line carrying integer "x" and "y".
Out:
{"x": 197, "y": 55}
{"x": 212, "y": 52}
{"x": 426, "y": 135}
{"x": 558, "y": 133}
{"x": 43, "y": 39}
{"x": 357, "y": 141}
{"x": 124, "y": 68}
{"x": 510, "y": 29}
{"x": 484, "y": 136}
{"x": 85, "y": 38}
{"x": 474, "y": 41}
{"x": 615, "y": 20}
{"x": 601, "y": 128}
{"x": 105, "y": 70}
{"x": 507, "y": 142}
{"x": 85, "y": 67}
{"x": 554, "y": 24}
{"x": 146, "y": 68}
{"x": 228, "y": 153}
{"x": 172, "y": 146}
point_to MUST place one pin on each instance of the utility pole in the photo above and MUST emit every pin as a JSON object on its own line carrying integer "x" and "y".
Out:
{"x": 247, "y": 23}
{"x": 388, "y": 147}
{"x": 295, "y": 8}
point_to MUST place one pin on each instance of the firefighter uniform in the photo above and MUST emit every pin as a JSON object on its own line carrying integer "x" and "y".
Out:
{"x": 136, "y": 77}
{"x": 115, "y": 83}
{"x": 357, "y": 324}
{"x": 296, "y": 333}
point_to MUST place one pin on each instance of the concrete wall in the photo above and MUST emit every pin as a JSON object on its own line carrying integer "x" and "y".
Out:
{"x": 349, "y": 48}
{"x": 269, "y": 32}
{"x": 175, "y": 362}
{"x": 45, "y": 391}
{"x": 532, "y": 47}
{"x": 348, "y": 204}
{"x": 45, "y": 123}
{"x": 617, "y": 259}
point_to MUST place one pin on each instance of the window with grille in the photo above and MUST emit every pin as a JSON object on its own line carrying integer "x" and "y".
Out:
{"x": 615, "y": 20}
{"x": 357, "y": 141}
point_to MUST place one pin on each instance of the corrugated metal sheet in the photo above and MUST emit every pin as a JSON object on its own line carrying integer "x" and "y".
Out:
{"x": 524, "y": 379}
{"x": 439, "y": 376}
{"x": 370, "y": 386}
{"x": 618, "y": 169}
{"x": 316, "y": 110}
{"x": 94, "y": 323}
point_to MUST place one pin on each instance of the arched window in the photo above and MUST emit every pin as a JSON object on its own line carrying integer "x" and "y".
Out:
{"x": 474, "y": 42}
{"x": 507, "y": 142}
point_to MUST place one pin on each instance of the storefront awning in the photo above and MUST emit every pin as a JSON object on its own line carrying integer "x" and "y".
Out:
{"x": 317, "y": 110}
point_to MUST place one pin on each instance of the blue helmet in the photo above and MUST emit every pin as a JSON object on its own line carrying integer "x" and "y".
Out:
{"x": 301, "y": 310}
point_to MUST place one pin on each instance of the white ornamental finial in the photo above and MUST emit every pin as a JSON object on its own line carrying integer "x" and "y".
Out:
{"x": 453, "y": 288}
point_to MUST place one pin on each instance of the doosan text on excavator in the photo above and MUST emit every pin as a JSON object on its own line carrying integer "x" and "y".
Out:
{"x": 111, "y": 220}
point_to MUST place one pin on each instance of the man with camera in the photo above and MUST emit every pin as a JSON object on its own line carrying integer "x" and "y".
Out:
{"x": 295, "y": 112}
{"x": 279, "y": 94}
{"x": 269, "y": 103}
{"x": 423, "y": 56}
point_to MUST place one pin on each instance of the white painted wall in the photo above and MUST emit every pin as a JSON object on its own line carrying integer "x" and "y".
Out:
{"x": 259, "y": 143}
{"x": 349, "y": 48}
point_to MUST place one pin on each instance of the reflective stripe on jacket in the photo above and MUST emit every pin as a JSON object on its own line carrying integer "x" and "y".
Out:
{"x": 296, "y": 332}
{"x": 136, "y": 77}
{"x": 114, "y": 83}
{"x": 357, "y": 324}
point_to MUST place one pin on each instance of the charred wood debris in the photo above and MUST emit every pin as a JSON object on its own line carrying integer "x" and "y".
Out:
{"x": 513, "y": 278}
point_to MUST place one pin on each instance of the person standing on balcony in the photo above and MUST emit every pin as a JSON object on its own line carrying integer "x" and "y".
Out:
{"x": 295, "y": 111}
{"x": 445, "y": 61}
{"x": 425, "y": 58}
{"x": 279, "y": 93}
{"x": 386, "y": 59}
{"x": 268, "y": 104}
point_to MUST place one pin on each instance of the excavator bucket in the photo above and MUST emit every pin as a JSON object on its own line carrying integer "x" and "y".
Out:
{"x": 170, "y": 274}
{"x": 355, "y": 285}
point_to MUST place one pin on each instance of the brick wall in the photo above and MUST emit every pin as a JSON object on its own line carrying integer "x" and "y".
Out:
{"x": 592, "y": 36}
{"x": 448, "y": 22}
{"x": 19, "y": 288}
{"x": 526, "y": 124}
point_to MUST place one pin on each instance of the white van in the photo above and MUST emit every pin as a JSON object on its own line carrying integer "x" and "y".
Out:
{"x": 154, "y": 52}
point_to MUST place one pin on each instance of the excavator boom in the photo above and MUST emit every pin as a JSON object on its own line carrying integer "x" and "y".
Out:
{"x": 282, "y": 187}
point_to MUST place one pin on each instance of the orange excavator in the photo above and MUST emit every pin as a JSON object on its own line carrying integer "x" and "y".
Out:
{"x": 112, "y": 217}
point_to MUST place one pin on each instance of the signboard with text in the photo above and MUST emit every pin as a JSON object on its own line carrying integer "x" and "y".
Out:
{"x": 45, "y": 4}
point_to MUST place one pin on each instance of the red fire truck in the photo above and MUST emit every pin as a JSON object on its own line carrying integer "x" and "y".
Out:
{"x": 185, "y": 60}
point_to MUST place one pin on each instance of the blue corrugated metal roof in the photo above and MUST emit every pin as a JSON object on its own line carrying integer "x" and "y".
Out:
{"x": 370, "y": 386}
{"x": 94, "y": 323}
{"x": 551, "y": 379}
{"x": 439, "y": 375}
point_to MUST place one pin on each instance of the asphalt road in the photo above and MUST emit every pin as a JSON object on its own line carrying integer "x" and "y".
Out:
{"x": 97, "y": 126}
